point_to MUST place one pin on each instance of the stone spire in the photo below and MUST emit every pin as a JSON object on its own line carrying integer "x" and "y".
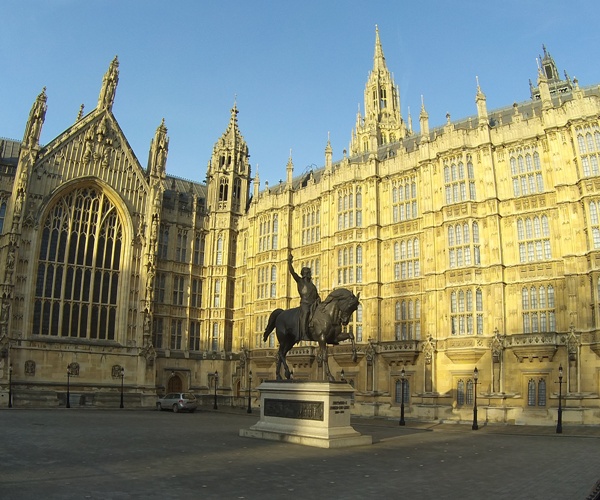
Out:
{"x": 481, "y": 102}
{"x": 109, "y": 86}
{"x": 289, "y": 171}
{"x": 382, "y": 123}
{"x": 424, "y": 121}
{"x": 159, "y": 148}
{"x": 37, "y": 115}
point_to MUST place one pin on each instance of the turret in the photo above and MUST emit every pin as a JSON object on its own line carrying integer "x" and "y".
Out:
{"x": 382, "y": 121}
{"x": 229, "y": 170}
{"x": 289, "y": 169}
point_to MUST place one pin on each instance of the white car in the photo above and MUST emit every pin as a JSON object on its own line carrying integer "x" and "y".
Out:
{"x": 178, "y": 401}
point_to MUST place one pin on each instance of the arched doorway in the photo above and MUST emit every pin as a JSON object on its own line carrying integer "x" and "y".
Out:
{"x": 175, "y": 384}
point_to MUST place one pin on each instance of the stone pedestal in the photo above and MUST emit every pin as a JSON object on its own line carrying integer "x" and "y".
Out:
{"x": 309, "y": 413}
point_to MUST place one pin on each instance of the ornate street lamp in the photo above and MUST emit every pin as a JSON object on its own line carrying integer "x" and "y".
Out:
{"x": 122, "y": 377}
{"x": 215, "y": 406}
{"x": 560, "y": 383}
{"x": 249, "y": 391}
{"x": 10, "y": 386}
{"x": 475, "y": 377}
{"x": 402, "y": 380}
{"x": 68, "y": 386}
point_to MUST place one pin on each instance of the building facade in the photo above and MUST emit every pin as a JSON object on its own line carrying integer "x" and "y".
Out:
{"x": 473, "y": 245}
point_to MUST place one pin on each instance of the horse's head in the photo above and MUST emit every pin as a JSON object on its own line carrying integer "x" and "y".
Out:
{"x": 347, "y": 306}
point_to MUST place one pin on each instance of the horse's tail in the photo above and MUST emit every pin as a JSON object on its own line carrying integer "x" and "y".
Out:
{"x": 271, "y": 323}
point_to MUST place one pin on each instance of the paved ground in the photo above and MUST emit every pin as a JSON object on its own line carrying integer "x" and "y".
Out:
{"x": 127, "y": 454}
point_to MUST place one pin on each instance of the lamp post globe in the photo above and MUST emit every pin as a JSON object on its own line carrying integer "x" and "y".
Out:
{"x": 475, "y": 426}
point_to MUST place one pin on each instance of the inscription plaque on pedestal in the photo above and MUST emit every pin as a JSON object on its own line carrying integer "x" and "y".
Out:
{"x": 308, "y": 413}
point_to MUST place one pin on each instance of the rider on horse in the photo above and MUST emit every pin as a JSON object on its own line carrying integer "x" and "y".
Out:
{"x": 309, "y": 297}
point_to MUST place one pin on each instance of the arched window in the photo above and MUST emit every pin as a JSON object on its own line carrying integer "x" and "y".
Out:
{"x": 398, "y": 392}
{"x": 78, "y": 269}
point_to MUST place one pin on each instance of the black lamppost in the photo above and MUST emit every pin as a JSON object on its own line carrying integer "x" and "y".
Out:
{"x": 249, "y": 391}
{"x": 10, "y": 386}
{"x": 68, "y": 386}
{"x": 342, "y": 376}
{"x": 215, "y": 406}
{"x": 402, "y": 380}
{"x": 122, "y": 377}
{"x": 560, "y": 383}
{"x": 475, "y": 377}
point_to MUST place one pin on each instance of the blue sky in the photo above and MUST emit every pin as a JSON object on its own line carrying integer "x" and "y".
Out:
{"x": 296, "y": 68}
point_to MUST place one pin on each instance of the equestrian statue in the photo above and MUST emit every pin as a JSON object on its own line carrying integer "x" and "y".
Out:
{"x": 315, "y": 320}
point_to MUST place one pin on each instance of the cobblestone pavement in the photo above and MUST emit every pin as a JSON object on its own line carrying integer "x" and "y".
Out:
{"x": 131, "y": 454}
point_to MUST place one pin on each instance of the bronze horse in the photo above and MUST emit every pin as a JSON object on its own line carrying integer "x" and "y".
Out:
{"x": 325, "y": 327}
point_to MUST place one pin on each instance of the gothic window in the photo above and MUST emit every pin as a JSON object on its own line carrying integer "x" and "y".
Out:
{"x": 463, "y": 245}
{"x": 178, "y": 287}
{"x": 217, "y": 295}
{"x": 223, "y": 190}
{"x": 407, "y": 316}
{"x": 181, "y": 247}
{"x": 311, "y": 225}
{"x": 157, "y": 332}
{"x": 459, "y": 182}
{"x": 407, "y": 259}
{"x": 398, "y": 392}
{"x": 588, "y": 142}
{"x": 214, "y": 340}
{"x": 199, "y": 242}
{"x": 404, "y": 199}
{"x": 275, "y": 231}
{"x": 273, "y": 281}
{"x": 466, "y": 314}
{"x": 194, "y": 336}
{"x": 237, "y": 192}
{"x": 464, "y": 392}
{"x": 538, "y": 309}
{"x": 460, "y": 393}
{"x": 350, "y": 260}
{"x": 220, "y": 250}
{"x": 349, "y": 207}
{"x": 268, "y": 229}
{"x": 176, "y": 333}
{"x": 533, "y": 234}
{"x": 159, "y": 287}
{"x": 78, "y": 268}
{"x": 163, "y": 241}
{"x": 526, "y": 171}
{"x": 196, "y": 293}
{"x": 2, "y": 215}
{"x": 594, "y": 223}
{"x": 536, "y": 392}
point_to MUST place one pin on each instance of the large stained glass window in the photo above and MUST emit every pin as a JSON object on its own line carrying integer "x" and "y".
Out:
{"x": 77, "y": 279}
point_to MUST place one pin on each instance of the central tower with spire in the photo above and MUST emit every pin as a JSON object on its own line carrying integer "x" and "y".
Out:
{"x": 382, "y": 122}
